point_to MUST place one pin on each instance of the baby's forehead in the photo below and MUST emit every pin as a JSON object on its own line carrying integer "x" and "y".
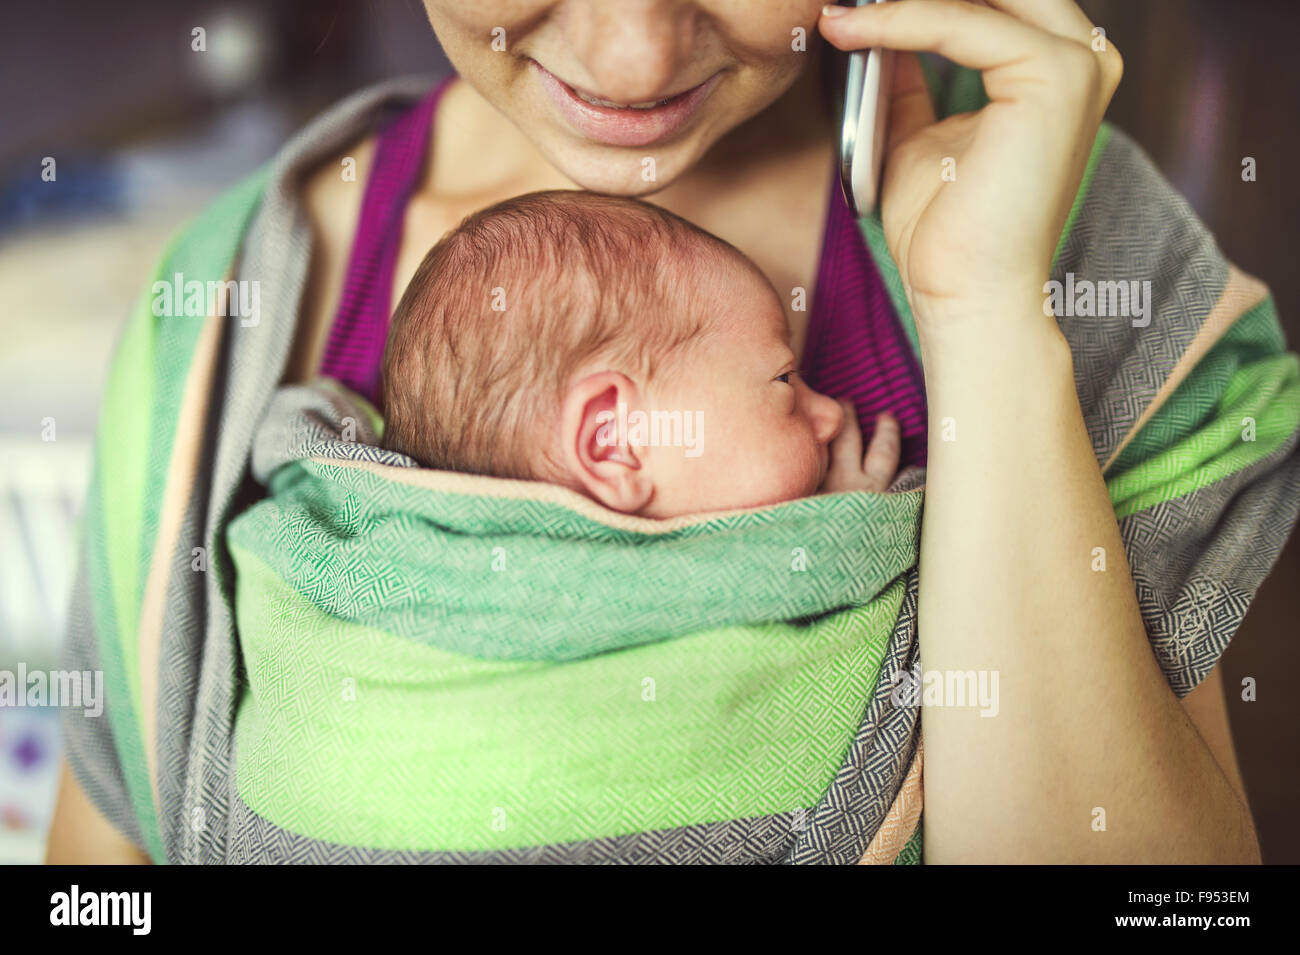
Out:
{"x": 718, "y": 287}
{"x": 739, "y": 297}
{"x": 627, "y": 274}
{"x": 728, "y": 319}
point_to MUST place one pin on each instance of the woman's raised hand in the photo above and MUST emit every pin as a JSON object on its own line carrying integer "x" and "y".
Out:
{"x": 973, "y": 206}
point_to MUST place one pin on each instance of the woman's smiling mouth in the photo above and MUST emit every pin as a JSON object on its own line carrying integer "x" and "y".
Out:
{"x": 624, "y": 124}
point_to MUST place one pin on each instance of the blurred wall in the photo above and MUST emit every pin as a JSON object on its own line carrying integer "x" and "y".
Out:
{"x": 76, "y": 74}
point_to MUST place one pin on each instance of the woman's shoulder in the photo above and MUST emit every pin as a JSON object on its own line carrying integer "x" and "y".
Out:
{"x": 1143, "y": 292}
{"x": 330, "y": 156}
{"x": 1191, "y": 400}
{"x": 331, "y": 193}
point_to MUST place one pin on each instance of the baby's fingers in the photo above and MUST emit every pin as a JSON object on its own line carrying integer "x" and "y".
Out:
{"x": 846, "y": 450}
{"x": 881, "y": 461}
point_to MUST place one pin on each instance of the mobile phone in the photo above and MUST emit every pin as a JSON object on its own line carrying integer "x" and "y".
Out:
{"x": 866, "y": 119}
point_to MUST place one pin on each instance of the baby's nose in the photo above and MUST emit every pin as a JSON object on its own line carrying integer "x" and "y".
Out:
{"x": 827, "y": 416}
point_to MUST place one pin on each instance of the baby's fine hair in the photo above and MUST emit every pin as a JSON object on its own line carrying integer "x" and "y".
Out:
{"x": 507, "y": 307}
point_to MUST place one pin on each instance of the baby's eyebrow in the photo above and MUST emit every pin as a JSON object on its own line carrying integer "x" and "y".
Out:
{"x": 785, "y": 358}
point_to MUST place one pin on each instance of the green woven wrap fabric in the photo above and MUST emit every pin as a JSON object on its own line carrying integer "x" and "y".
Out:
{"x": 494, "y": 666}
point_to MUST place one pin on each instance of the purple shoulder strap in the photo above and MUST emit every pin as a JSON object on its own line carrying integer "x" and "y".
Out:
{"x": 856, "y": 348}
{"x": 355, "y": 349}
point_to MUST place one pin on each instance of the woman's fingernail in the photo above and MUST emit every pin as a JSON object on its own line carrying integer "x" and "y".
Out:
{"x": 834, "y": 10}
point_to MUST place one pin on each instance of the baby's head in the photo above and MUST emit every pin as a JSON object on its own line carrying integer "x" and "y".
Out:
{"x": 607, "y": 345}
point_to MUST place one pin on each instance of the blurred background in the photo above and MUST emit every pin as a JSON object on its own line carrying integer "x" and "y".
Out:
{"x": 145, "y": 131}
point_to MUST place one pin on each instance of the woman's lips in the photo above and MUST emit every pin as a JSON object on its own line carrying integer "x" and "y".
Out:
{"x": 625, "y": 127}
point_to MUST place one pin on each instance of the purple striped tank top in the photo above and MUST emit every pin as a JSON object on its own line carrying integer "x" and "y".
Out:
{"x": 855, "y": 346}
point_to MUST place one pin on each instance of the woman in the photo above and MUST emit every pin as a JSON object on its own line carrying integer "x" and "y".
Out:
{"x": 1112, "y": 742}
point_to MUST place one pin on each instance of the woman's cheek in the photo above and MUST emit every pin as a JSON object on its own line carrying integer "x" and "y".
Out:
{"x": 763, "y": 29}
{"x": 480, "y": 17}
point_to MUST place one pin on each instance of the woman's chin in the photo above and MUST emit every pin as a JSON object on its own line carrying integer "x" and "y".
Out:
{"x": 618, "y": 171}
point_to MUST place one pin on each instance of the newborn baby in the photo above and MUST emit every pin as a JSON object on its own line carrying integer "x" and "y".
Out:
{"x": 609, "y": 346}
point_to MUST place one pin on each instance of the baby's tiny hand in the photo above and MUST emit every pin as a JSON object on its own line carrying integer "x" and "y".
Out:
{"x": 850, "y": 469}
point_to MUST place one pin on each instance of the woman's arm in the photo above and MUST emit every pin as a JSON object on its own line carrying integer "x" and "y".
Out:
{"x": 1015, "y": 505}
{"x": 1207, "y": 708}
{"x": 79, "y": 833}
{"x": 1090, "y": 757}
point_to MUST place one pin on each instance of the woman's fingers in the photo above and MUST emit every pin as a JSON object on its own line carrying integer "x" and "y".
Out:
{"x": 1066, "y": 20}
{"x": 881, "y": 462}
{"x": 1062, "y": 17}
{"x": 978, "y": 37}
{"x": 1019, "y": 61}
{"x": 910, "y": 108}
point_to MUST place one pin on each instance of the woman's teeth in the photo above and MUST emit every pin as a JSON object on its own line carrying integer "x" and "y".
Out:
{"x": 597, "y": 101}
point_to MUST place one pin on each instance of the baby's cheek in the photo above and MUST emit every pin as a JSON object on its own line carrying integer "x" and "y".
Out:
{"x": 810, "y": 474}
{"x": 753, "y": 470}
{"x": 791, "y": 473}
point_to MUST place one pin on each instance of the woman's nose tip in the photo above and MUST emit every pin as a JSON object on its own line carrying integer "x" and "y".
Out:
{"x": 635, "y": 59}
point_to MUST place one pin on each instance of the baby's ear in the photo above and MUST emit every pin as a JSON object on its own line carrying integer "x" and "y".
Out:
{"x": 595, "y": 451}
